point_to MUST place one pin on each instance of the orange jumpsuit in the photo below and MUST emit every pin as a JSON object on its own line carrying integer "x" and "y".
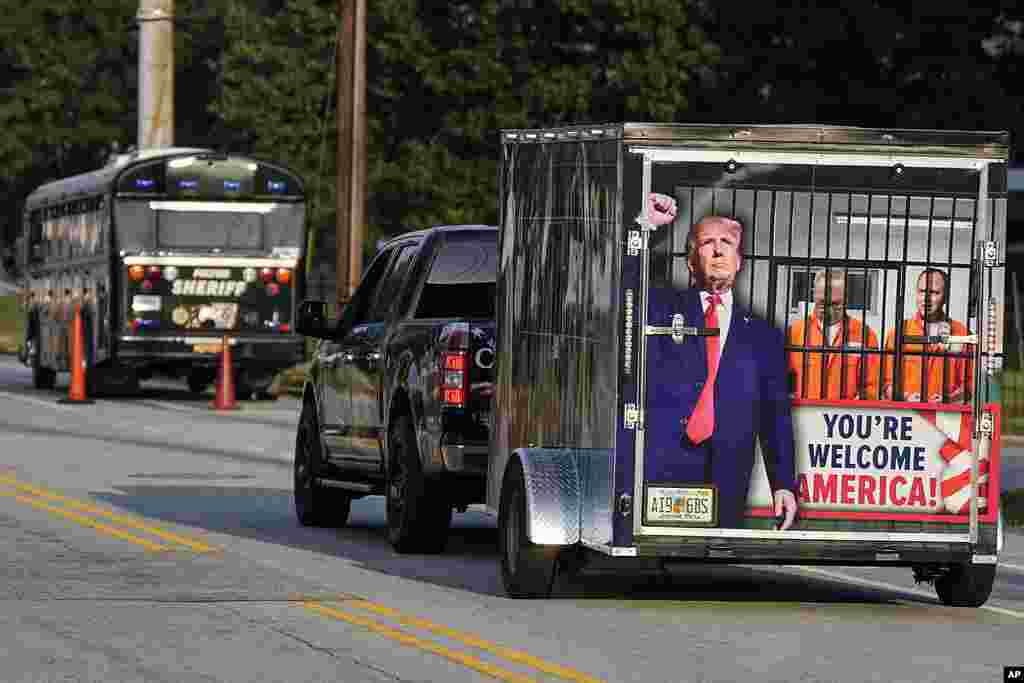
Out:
{"x": 959, "y": 371}
{"x": 847, "y": 357}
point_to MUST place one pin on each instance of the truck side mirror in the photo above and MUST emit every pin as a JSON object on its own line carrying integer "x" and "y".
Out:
{"x": 312, "y": 320}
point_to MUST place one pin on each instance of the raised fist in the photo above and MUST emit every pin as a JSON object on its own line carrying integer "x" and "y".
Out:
{"x": 661, "y": 209}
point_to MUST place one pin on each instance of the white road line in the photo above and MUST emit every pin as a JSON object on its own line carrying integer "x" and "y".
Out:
{"x": 169, "y": 406}
{"x": 869, "y": 583}
{"x": 35, "y": 401}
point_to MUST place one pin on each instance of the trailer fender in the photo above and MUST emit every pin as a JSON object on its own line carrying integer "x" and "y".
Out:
{"x": 553, "y": 489}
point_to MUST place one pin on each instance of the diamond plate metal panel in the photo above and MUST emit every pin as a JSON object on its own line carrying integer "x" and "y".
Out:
{"x": 595, "y": 467}
{"x": 552, "y": 495}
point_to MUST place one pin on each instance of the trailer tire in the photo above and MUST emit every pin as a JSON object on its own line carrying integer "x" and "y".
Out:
{"x": 417, "y": 520}
{"x": 966, "y": 585}
{"x": 311, "y": 498}
{"x": 527, "y": 569}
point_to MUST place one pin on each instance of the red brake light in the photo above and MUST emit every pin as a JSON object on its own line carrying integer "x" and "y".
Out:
{"x": 153, "y": 273}
{"x": 455, "y": 397}
{"x": 267, "y": 274}
{"x": 455, "y": 361}
{"x": 453, "y": 378}
{"x": 284, "y": 327}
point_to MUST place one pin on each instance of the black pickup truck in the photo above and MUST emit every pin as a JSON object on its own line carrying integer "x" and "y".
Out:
{"x": 397, "y": 400}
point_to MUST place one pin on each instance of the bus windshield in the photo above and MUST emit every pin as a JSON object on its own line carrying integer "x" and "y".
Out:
{"x": 262, "y": 227}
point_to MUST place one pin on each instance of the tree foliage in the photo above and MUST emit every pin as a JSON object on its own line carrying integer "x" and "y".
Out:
{"x": 909, "y": 64}
{"x": 442, "y": 78}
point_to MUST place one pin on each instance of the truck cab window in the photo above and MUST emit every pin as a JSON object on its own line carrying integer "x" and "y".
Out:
{"x": 359, "y": 308}
{"x": 391, "y": 285}
{"x": 461, "y": 279}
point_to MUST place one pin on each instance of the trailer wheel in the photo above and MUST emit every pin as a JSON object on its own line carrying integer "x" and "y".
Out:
{"x": 312, "y": 499}
{"x": 527, "y": 569}
{"x": 417, "y": 520}
{"x": 966, "y": 585}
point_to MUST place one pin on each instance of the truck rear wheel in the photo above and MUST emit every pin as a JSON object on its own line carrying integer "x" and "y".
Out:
{"x": 966, "y": 585}
{"x": 315, "y": 505}
{"x": 417, "y": 520}
{"x": 527, "y": 569}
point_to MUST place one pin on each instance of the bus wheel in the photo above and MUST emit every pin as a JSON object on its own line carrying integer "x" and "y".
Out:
{"x": 42, "y": 378}
{"x": 527, "y": 569}
{"x": 197, "y": 382}
{"x": 966, "y": 585}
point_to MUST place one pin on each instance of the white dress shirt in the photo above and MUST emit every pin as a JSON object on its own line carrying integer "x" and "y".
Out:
{"x": 724, "y": 315}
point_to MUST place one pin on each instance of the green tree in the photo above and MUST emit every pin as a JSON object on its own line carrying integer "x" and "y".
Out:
{"x": 69, "y": 88}
{"x": 442, "y": 79}
{"x": 910, "y": 64}
{"x": 65, "y": 86}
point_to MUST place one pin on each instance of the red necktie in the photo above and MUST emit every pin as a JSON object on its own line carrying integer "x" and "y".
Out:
{"x": 702, "y": 421}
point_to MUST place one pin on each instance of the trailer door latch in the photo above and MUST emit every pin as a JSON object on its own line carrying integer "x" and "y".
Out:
{"x": 631, "y": 416}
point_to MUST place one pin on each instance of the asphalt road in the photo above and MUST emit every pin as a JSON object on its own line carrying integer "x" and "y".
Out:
{"x": 154, "y": 539}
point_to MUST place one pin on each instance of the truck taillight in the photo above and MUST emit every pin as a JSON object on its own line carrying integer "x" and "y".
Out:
{"x": 453, "y": 374}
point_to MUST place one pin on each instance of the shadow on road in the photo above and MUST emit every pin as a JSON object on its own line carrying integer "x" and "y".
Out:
{"x": 470, "y": 561}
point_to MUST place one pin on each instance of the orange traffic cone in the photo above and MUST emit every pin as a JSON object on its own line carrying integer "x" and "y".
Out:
{"x": 77, "y": 391}
{"x": 224, "y": 398}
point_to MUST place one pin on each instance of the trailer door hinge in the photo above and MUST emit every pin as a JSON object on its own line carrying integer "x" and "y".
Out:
{"x": 986, "y": 425}
{"x": 632, "y": 416}
{"x": 635, "y": 242}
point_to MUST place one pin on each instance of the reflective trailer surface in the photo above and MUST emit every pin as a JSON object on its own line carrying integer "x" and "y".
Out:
{"x": 558, "y": 293}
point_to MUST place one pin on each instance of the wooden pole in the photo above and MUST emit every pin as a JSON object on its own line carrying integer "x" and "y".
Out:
{"x": 351, "y": 214}
{"x": 156, "y": 74}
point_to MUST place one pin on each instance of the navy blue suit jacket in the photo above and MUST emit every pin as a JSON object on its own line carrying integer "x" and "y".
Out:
{"x": 751, "y": 401}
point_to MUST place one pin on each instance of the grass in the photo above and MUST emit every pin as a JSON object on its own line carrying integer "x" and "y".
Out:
{"x": 12, "y": 325}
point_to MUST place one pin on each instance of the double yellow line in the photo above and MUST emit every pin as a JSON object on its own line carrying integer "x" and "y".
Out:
{"x": 349, "y": 609}
{"x": 460, "y": 657}
{"x": 35, "y": 497}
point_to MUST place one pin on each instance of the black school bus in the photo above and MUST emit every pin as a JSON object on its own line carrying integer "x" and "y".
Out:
{"x": 166, "y": 252}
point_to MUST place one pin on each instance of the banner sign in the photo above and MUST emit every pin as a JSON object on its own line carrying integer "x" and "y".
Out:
{"x": 879, "y": 460}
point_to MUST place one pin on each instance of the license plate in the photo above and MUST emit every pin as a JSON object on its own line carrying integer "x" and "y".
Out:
{"x": 145, "y": 302}
{"x": 207, "y": 348}
{"x": 680, "y": 505}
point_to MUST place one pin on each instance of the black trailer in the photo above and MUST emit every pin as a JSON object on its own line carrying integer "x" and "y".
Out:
{"x": 902, "y": 469}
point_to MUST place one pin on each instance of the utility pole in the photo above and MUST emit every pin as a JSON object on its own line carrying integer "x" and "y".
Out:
{"x": 351, "y": 208}
{"x": 156, "y": 73}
